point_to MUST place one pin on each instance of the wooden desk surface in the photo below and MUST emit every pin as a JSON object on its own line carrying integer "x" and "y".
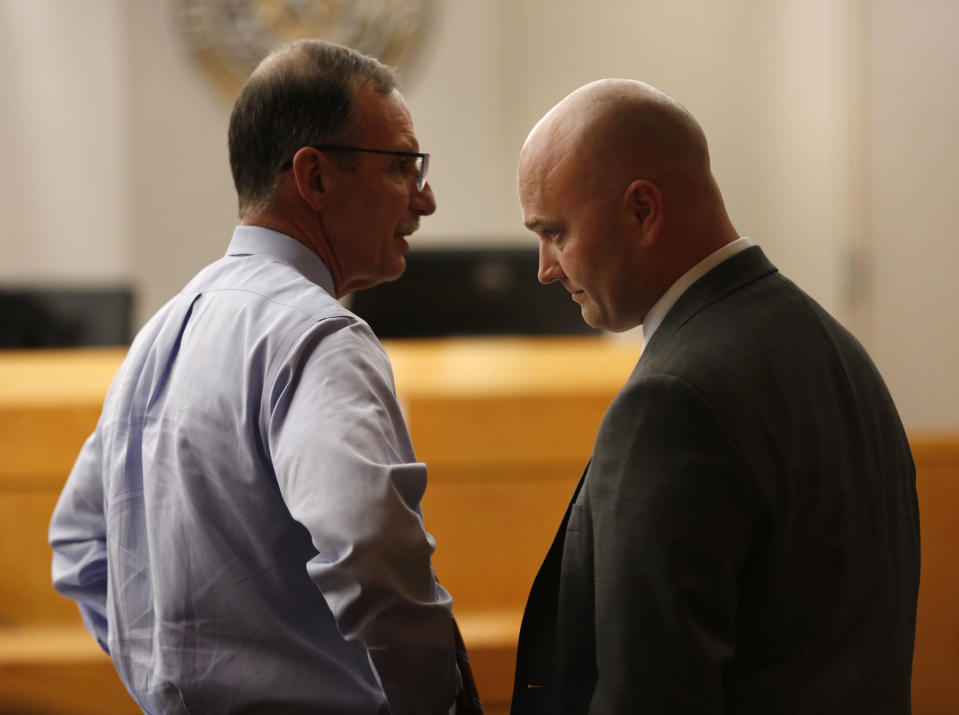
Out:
{"x": 43, "y": 378}
{"x": 423, "y": 368}
{"x": 505, "y": 426}
{"x": 453, "y": 391}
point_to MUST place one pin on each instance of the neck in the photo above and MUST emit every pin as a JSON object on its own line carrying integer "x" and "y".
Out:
{"x": 702, "y": 226}
{"x": 307, "y": 232}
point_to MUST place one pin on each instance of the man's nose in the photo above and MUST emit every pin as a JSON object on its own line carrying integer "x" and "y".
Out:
{"x": 423, "y": 202}
{"x": 549, "y": 268}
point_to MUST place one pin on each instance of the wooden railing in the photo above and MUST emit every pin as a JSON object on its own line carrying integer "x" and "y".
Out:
{"x": 505, "y": 426}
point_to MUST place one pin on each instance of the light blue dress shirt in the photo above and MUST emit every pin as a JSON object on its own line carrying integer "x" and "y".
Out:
{"x": 243, "y": 529}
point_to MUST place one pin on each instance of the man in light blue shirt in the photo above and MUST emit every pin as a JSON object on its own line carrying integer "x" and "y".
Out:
{"x": 242, "y": 531}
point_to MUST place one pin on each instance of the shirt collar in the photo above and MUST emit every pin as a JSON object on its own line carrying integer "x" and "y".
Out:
{"x": 655, "y": 315}
{"x": 256, "y": 240}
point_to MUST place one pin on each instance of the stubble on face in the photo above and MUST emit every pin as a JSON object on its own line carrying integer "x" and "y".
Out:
{"x": 378, "y": 210}
{"x": 624, "y": 136}
{"x": 569, "y": 201}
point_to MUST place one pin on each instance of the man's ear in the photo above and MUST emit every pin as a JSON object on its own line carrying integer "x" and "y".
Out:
{"x": 643, "y": 204}
{"x": 310, "y": 168}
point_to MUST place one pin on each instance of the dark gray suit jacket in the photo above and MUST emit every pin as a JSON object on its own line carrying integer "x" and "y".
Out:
{"x": 745, "y": 538}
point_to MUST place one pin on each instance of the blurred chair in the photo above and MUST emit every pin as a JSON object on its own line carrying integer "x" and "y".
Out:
{"x": 467, "y": 292}
{"x": 64, "y": 317}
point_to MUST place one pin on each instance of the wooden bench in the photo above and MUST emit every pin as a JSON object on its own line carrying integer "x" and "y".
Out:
{"x": 505, "y": 426}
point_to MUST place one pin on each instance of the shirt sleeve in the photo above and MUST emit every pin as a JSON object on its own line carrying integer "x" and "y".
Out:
{"x": 78, "y": 538}
{"x": 673, "y": 519}
{"x": 345, "y": 466}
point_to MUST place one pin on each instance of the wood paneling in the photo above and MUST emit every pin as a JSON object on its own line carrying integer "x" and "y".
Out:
{"x": 935, "y": 688}
{"x": 505, "y": 426}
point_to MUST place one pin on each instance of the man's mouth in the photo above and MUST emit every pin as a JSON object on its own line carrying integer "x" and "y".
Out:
{"x": 406, "y": 229}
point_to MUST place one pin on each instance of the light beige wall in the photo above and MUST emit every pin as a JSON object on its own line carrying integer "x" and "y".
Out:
{"x": 773, "y": 101}
{"x": 832, "y": 126}
{"x": 63, "y": 143}
{"x": 770, "y": 82}
{"x": 459, "y": 92}
{"x": 183, "y": 206}
{"x": 914, "y": 184}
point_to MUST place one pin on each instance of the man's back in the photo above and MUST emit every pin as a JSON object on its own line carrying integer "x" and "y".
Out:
{"x": 204, "y": 452}
{"x": 827, "y": 589}
{"x": 243, "y": 532}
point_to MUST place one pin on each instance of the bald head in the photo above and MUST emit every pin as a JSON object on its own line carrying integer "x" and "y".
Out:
{"x": 621, "y": 128}
{"x": 616, "y": 181}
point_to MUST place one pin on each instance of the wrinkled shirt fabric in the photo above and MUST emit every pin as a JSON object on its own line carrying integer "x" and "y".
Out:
{"x": 242, "y": 531}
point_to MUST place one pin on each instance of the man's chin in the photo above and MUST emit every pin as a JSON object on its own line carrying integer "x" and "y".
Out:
{"x": 384, "y": 276}
{"x": 593, "y": 318}
{"x": 398, "y": 269}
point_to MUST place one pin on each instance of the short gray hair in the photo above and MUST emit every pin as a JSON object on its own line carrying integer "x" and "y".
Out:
{"x": 302, "y": 94}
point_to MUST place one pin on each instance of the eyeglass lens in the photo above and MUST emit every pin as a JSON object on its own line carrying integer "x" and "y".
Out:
{"x": 423, "y": 165}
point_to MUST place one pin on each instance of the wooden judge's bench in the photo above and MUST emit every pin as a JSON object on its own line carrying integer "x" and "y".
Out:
{"x": 505, "y": 427}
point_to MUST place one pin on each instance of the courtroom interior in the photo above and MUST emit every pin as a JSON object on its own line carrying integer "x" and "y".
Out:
{"x": 832, "y": 129}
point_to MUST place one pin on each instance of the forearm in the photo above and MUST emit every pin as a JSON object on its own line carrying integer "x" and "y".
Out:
{"x": 78, "y": 539}
{"x": 415, "y": 659}
{"x": 79, "y": 573}
{"x": 382, "y": 592}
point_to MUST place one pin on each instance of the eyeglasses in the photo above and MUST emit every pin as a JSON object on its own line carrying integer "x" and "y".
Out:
{"x": 422, "y": 161}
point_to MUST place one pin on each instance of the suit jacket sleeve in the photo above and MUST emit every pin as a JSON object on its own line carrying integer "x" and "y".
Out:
{"x": 672, "y": 519}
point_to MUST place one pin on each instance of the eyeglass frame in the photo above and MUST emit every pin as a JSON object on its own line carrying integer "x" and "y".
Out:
{"x": 423, "y": 157}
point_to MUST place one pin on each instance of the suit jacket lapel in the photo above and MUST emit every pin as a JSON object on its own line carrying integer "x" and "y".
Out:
{"x": 536, "y": 667}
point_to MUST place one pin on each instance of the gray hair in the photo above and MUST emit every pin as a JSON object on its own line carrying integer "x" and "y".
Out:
{"x": 302, "y": 94}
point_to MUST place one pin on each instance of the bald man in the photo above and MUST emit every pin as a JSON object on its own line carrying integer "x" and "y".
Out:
{"x": 745, "y": 538}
